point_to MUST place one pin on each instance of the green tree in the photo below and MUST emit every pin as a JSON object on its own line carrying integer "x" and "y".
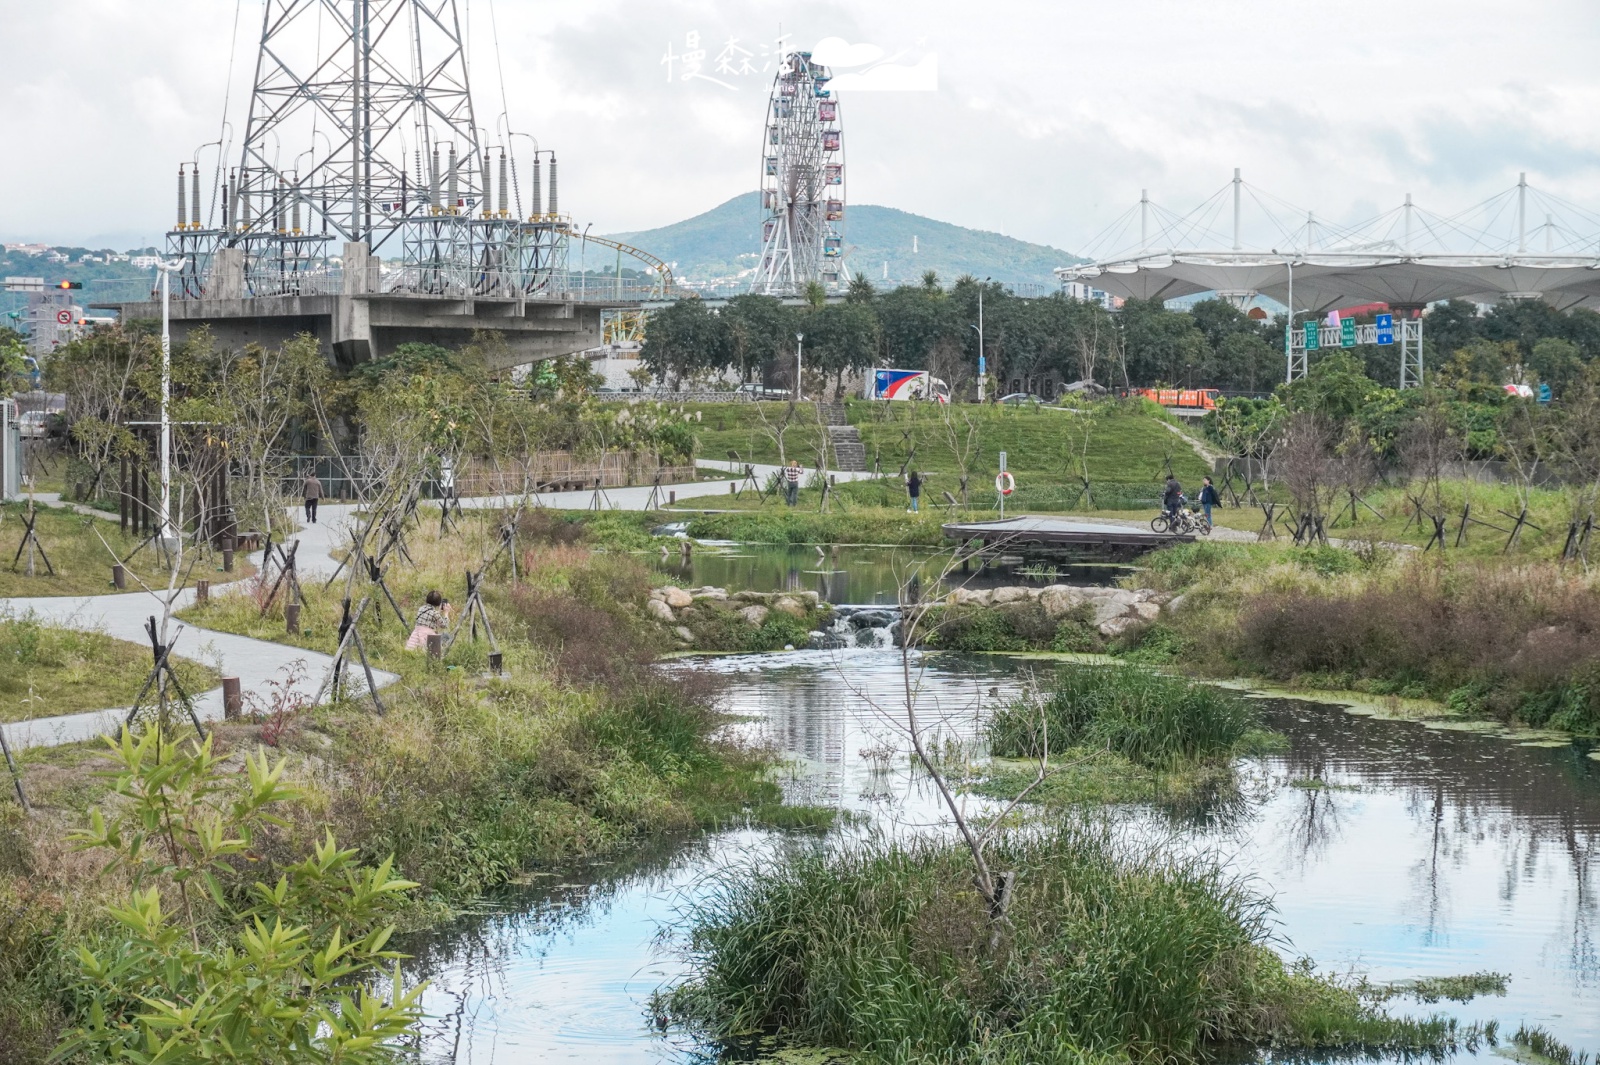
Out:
{"x": 684, "y": 338}
{"x": 840, "y": 338}
{"x": 1557, "y": 362}
{"x": 913, "y": 320}
{"x": 1162, "y": 346}
{"x": 861, "y": 290}
{"x": 280, "y": 972}
{"x": 1447, "y": 328}
{"x": 1335, "y": 387}
{"x": 760, "y": 329}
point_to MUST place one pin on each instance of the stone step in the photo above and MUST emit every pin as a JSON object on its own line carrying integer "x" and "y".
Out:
{"x": 833, "y": 414}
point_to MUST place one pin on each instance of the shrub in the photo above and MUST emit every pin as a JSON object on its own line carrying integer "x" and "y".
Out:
{"x": 1153, "y": 720}
{"x": 1020, "y": 626}
{"x": 1522, "y": 642}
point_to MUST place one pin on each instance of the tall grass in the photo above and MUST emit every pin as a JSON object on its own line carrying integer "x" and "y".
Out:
{"x": 1109, "y": 953}
{"x": 1153, "y": 720}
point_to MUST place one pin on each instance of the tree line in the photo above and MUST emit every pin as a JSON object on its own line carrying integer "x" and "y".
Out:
{"x": 1061, "y": 339}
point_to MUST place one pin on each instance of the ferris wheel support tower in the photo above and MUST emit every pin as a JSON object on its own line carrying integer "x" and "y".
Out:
{"x": 802, "y": 183}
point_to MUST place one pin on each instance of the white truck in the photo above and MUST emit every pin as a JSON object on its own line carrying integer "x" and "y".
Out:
{"x": 907, "y": 385}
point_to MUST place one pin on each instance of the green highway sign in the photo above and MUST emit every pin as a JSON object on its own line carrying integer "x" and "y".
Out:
{"x": 1311, "y": 337}
{"x": 1347, "y": 332}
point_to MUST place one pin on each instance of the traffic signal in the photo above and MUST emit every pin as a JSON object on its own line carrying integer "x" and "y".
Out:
{"x": 70, "y": 284}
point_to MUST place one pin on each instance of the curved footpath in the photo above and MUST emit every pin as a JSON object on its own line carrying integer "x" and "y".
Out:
{"x": 258, "y": 662}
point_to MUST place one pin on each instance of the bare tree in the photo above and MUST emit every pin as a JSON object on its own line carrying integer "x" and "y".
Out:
{"x": 962, "y": 436}
{"x": 1427, "y": 447}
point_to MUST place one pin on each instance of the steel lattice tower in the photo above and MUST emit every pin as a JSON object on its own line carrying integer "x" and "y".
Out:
{"x": 363, "y": 93}
{"x": 802, "y": 183}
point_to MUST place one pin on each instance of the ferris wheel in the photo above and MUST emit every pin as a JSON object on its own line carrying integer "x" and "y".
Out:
{"x": 802, "y": 182}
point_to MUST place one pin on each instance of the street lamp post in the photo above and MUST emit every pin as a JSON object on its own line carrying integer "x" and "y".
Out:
{"x": 983, "y": 367}
{"x": 164, "y": 518}
{"x": 799, "y": 362}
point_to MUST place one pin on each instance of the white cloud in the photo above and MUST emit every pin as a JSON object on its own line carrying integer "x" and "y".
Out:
{"x": 1049, "y": 118}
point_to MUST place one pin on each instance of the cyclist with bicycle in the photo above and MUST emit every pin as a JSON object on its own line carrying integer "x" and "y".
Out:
{"x": 1172, "y": 497}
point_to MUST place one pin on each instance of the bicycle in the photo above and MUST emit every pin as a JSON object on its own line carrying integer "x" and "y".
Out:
{"x": 1182, "y": 522}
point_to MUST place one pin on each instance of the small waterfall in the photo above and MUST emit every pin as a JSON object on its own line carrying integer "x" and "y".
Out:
{"x": 858, "y": 626}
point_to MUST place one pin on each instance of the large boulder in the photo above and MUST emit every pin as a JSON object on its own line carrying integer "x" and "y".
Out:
{"x": 787, "y": 604}
{"x": 1113, "y": 627}
{"x": 1059, "y": 600}
{"x": 1149, "y": 611}
{"x": 755, "y": 614}
{"x": 677, "y": 598}
{"x": 658, "y": 609}
{"x": 871, "y": 619}
{"x": 1008, "y": 595}
{"x": 683, "y": 634}
{"x": 708, "y": 593}
{"x": 970, "y": 597}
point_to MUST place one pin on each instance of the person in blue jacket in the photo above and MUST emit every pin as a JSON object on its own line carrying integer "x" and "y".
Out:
{"x": 1209, "y": 498}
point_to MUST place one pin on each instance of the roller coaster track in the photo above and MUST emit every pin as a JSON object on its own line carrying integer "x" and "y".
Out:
{"x": 663, "y": 271}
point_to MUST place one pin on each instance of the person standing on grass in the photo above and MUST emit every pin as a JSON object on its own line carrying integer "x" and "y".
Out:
{"x": 1209, "y": 498}
{"x": 914, "y": 490}
{"x": 791, "y": 482}
{"x": 312, "y": 491}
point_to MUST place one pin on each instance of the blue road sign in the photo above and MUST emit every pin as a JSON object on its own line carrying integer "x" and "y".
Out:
{"x": 1544, "y": 393}
{"x": 1385, "y": 323}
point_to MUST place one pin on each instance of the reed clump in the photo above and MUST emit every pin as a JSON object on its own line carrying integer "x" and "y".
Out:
{"x": 1109, "y": 953}
{"x": 1151, "y": 719}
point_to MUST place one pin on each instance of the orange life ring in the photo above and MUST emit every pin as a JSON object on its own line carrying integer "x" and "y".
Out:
{"x": 1004, "y": 483}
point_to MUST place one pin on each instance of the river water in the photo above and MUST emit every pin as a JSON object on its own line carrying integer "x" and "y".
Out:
{"x": 1389, "y": 848}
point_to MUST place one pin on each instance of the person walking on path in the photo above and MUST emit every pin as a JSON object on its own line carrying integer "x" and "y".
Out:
{"x": 1209, "y": 498}
{"x": 312, "y": 490}
{"x": 914, "y": 489}
{"x": 433, "y": 619}
{"x": 791, "y": 483}
{"x": 1172, "y": 495}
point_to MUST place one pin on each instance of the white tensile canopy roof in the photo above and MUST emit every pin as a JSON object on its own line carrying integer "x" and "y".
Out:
{"x": 1324, "y": 280}
{"x": 1406, "y": 258}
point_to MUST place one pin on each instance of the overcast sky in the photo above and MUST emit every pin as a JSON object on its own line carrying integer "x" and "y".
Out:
{"x": 1048, "y": 119}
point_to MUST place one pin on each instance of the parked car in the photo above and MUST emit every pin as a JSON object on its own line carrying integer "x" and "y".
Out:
{"x": 34, "y": 424}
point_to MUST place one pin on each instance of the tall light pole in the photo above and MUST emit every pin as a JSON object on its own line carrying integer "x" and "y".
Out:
{"x": 983, "y": 367}
{"x": 164, "y": 518}
{"x": 799, "y": 362}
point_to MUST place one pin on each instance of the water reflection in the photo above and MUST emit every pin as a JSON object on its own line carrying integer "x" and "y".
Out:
{"x": 1390, "y": 849}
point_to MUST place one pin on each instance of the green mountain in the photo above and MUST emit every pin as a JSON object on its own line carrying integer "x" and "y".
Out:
{"x": 725, "y": 241}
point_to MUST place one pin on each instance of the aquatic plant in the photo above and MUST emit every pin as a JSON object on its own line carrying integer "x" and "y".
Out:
{"x": 1151, "y": 719}
{"x": 1538, "y": 1041}
{"x": 1109, "y": 952}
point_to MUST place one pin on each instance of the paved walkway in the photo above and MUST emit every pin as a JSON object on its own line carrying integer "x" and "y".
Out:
{"x": 258, "y": 663}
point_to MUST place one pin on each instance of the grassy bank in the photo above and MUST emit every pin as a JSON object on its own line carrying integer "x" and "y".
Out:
{"x": 1515, "y": 642}
{"x": 46, "y": 670}
{"x": 799, "y": 525}
{"x": 80, "y": 548}
{"x": 1120, "y": 443}
{"x": 465, "y": 781}
{"x": 1109, "y": 954}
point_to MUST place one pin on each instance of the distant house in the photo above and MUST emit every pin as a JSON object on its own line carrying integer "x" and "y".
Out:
{"x": 145, "y": 262}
